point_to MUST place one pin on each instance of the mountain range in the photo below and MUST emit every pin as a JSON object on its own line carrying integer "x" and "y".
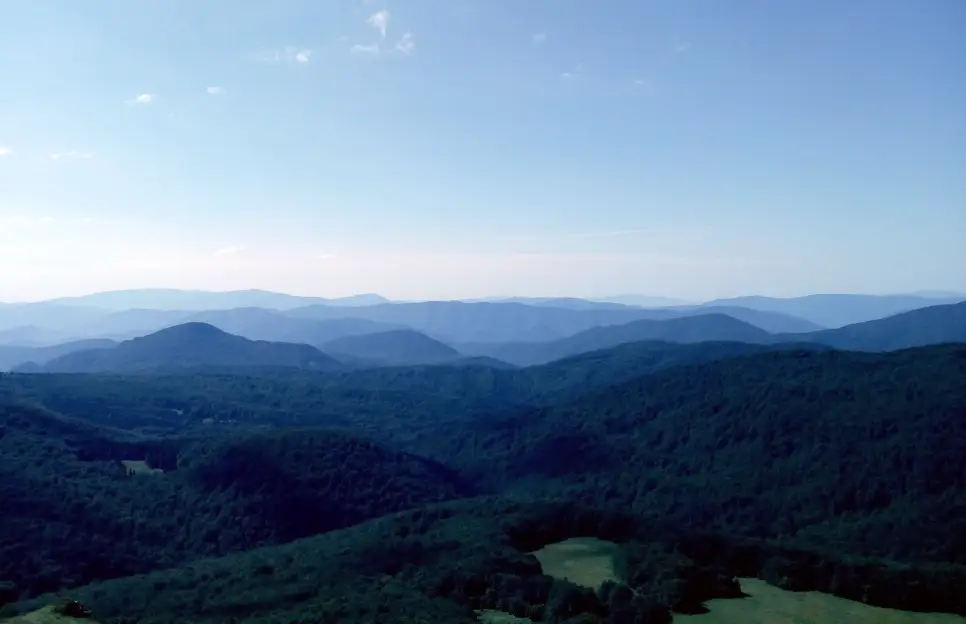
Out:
{"x": 201, "y": 344}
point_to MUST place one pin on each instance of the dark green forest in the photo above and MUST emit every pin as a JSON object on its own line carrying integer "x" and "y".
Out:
{"x": 414, "y": 494}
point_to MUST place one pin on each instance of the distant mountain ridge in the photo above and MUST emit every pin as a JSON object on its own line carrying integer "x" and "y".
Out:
{"x": 190, "y": 345}
{"x": 710, "y": 327}
{"x": 837, "y": 310}
{"x": 174, "y": 299}
{"x": 939, "y": 324}
{"x": 394, "y": 347}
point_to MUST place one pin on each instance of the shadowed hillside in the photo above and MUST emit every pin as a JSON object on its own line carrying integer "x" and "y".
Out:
{"x": 862, "y": 450}
{"x": 73, "y": 513}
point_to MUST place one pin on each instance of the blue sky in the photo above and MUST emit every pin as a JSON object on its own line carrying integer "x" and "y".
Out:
{"x": 460, "y": 148}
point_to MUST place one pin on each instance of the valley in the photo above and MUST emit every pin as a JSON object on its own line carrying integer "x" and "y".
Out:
{"x": 627, "y": 474}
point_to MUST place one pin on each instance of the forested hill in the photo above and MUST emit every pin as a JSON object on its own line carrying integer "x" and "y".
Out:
{"x": 859, "y": 452}
{"x": 73, "y": 513}
{"x": 190, "y": 345}
{"x": 399, "y": 347}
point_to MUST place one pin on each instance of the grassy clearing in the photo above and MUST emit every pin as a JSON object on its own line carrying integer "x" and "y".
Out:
{"x": 770, "y": 605}
{"x": 499, "y": 617}
{"x": 134, "y": 466}
{"x": 586, "y": 561}
{"x": 47, "y": 615}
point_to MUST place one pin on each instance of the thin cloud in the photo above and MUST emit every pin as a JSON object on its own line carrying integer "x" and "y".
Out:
{"x": 680, "y": 47}
{"x": 575, "y": 73}
{"x": 406, "y": 44}
{"x": 288, "y": 54}
{"x": 143, "y": 99}
{"x": 612, "y": 233}
{"x": 5, "y": 151}
{"x": 215, "y": 91}
{"x": 371, "y": 49}
{"x": 380, "y": 21}
{"x": 538, "y": 38}
{"x": 325, "y": 256}
{"x": 72, "y": 155}
{"x": 229, "y": 251}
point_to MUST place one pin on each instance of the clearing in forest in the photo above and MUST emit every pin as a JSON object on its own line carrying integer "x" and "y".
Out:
{"x": 47, "y": 615}
{"x": 499, "y": 617}
{"x": 586, "y": 561}
{"x": 767, "y": 604}
{"x": 134, "y": 466}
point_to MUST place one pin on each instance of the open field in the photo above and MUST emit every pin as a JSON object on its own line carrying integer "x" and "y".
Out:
{"x": 47, "y": 615}
{"x": 499, "y": 617}
{"x": 770, "y": 605}
{"x": 134, "y": 466}
{"x": 586, "y": 561}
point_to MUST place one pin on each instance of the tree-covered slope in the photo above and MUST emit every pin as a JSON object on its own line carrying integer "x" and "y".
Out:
{"x": 861, "y": 452}
{"x": 73, "y": 513}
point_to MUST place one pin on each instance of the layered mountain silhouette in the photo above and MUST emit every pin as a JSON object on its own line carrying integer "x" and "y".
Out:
{"x": 925, "y": 326}
{"x": 191, "y": 345}
{"x": 11, "y": 357}
{"x": 396, "y": 347}
{"x": 173, "y": 299}
{"x": 838, "y": 310}
{"x": 691, "y": 329}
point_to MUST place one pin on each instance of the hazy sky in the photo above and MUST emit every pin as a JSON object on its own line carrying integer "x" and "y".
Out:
{"x": 457, "y": 148}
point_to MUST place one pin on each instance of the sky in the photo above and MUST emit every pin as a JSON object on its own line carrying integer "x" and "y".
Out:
{"x": 469, "y": 148}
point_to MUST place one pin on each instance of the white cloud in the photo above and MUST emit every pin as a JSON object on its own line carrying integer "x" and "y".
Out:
{"x": 143, "y": 98}
{"x": 681, "y": 47}
{"x": 406, "y": 44}
{"x": 539, "y": 38}
{"x": 229, "y": 251}
{"x": 325, "y": 256}
{"x": 380, "y": 21}
{"x": 215, "y": 91}
{"x": 288, "y": 54}
{"x": 5, "y": 151}
{"x": 72, "y": 155}
{"x": 371, "y": 49}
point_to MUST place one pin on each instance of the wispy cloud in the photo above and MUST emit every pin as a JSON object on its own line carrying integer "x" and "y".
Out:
{"x": 325, "y": 256}
{"x": 229, "y": 251}
{"x": 538, "y": 38}
{"x": 371, "y": 49}
{"x": 288, "y": 54}
{"x": 573, "y": 74}
{"x": 5, "y": 151}
{"x": 612, "y": 233}
{"x": 680, "y": 47}
{"x": 72, "y": 155}
{"x": 406, "y": 44}
{"x": 143, "y": 99}
{"x": 215, "y": 91}
{"x": 380, "y": 21}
